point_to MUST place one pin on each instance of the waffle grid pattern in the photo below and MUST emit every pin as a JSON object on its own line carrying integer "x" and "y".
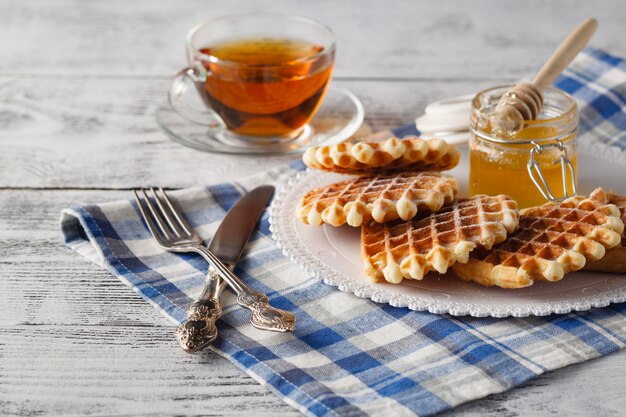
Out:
{"x": 551, "y": 241}
{"x": 382, "y": 198}
{"x": 398, "y": 250}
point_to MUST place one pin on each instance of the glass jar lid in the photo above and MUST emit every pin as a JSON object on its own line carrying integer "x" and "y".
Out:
{"x": 559, "y": 115}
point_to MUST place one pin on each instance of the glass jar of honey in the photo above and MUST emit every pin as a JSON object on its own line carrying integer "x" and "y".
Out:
{"x": 536, "y": 164}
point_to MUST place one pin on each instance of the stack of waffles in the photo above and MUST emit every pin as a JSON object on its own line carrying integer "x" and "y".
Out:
{"x": 413, "y": 223}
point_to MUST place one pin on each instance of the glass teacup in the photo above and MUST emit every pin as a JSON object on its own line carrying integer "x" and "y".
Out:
{"x": 262, "y": 77}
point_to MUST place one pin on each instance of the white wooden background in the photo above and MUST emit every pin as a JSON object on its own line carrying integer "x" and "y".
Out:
{"x": 79, "y": 84}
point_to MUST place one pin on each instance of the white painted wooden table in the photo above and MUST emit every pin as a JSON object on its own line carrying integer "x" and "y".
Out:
{"x": 79, "y": 84}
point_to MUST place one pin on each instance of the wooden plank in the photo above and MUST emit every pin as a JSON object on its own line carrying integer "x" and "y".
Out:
{"x": 44, "y": 282}
{"x": 80, "y": 133}
{"x": 120, "y": 370}
{"x": 482, "y": 39}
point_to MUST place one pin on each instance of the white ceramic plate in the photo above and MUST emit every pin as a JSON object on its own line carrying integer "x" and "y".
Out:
{"x": 333, "y": 255}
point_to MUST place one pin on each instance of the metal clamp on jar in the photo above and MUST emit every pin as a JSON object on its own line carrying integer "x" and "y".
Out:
{"x": 532, "y": 165}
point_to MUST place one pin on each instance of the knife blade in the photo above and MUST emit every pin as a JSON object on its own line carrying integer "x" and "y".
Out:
{"x": 233, "y": 233}
{"x": 227, "y": 244}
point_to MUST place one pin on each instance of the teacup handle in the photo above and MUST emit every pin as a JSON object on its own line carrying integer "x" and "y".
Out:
{"x": 178, "y": 91}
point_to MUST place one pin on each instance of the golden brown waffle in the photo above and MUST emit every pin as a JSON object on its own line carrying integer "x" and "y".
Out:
{"x": 382, "y": 198}
{"x": 410, "y": 249}
{"x": 552, "y": 240}
{"x": 407, "y": 154}
{"x": 615, "y": 258}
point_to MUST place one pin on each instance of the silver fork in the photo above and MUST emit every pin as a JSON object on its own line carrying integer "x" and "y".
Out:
{"x": 174, "y": 234}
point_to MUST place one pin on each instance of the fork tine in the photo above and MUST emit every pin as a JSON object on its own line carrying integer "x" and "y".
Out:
{"x": 147, "y": 218}
{"x": 181, "y": 221}
{"x": 165, "y": 232}
{"x": 168, "y": 213}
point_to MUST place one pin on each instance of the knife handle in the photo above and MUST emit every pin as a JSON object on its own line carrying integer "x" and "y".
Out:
{"x": 264, "y": 316}
{"x": 199, "y": 330}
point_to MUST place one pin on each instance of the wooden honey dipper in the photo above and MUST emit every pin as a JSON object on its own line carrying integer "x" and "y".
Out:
{"x": 525, "y": 100}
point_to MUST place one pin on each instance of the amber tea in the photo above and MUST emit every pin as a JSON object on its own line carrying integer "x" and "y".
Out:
{"x": 265, "y": 86}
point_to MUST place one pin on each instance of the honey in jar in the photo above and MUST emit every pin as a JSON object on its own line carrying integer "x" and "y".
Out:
{"x": 534, "y": 165}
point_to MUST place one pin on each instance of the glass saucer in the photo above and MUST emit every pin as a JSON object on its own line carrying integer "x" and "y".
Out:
{"x": 338, "y": 118}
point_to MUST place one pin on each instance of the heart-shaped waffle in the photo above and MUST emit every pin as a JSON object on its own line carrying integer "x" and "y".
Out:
{"x": 410, "y": 249}
{"x": 408, "y": 154}
{"x": 381, "y": 197}
{"x": 552, "y": 240}
{"x": 615, "y": 258}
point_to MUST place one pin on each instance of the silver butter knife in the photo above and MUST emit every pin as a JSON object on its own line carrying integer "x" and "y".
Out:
{"x": 227, "y": 244}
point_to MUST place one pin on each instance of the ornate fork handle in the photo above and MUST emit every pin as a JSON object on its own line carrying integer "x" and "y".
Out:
{"x": 264, "y": 316}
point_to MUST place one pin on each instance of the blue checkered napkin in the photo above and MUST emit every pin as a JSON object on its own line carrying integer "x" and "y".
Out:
{"x": 598, "y": 81}
{"x": 350, "y": 356}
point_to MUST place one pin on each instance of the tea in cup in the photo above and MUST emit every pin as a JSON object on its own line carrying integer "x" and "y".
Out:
{"x": 261, "y": 76}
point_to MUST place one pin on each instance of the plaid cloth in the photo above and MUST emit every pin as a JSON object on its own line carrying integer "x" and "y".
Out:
{"x": 351, "y": 356}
